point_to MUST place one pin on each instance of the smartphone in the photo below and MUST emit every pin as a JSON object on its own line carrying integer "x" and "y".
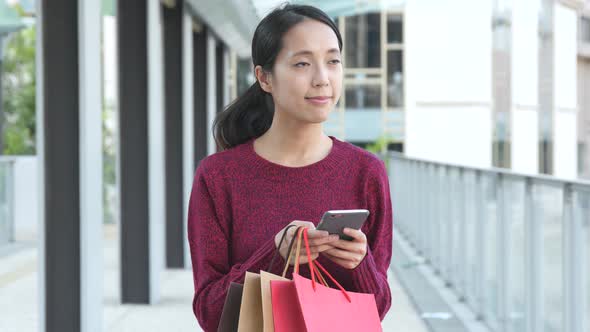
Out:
{"x": 334, "y": 221}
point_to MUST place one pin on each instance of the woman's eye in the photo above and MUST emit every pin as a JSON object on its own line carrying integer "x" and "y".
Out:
{"x": 301, "y": 64}
{"x": 335, "y": 61}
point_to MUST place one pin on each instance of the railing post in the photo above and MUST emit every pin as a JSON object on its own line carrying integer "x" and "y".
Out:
{"x": 462, "y": 240}
{"x": 582, "y": 217}
{"x": 434, "y": 215}
{"x": 420, "y": 209}
{"x": 449, "y": 228}
{"x": 10, "y": 206}
{"x": 503, "y": 201}
{"x": 573, "y": 284}
{"x": 480, "y": 231}
{"x": 534, "y": 259}
{"x": 414, "y": 216}
{"x": 428, "y": 215}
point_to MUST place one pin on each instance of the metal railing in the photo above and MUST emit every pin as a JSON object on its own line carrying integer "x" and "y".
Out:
{"x": 513, "y": 247}
{"x": 6, "y": 200}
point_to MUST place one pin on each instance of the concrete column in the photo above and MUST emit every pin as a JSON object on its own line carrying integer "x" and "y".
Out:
{"x": 69, "y": 109}
{"x": 201, "y": 92}
{"x": 565, "y": 53}
{"x": 141, "y": 162}
{"x": 545, "y": 87}
{"x": 188, "y": 129}
{"x": 173, "y": 48}
{"x": 91, "y": 164}
{"x": 525, "y": 108}
{"x": 212, "y": 102}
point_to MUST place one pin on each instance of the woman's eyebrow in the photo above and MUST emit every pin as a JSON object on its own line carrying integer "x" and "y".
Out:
{"x": 307, "y": 52}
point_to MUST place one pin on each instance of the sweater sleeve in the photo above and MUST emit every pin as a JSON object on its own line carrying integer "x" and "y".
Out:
{"x": 209, "y": 236}
{"x": 370, "y": 276}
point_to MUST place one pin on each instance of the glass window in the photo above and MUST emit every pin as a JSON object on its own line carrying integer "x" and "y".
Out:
{"x": 363, "y": 98}
{"x": 395, "y": 32}
{"x": 545, "y": 143}
{"x": 395, "y": 79}
{"x": 585, "y": 29}
{"x": 363, "y": 41}
{"x": 545, "y": 157}
{"x": 581, "y": 158}
{"x": 245, "y": 75}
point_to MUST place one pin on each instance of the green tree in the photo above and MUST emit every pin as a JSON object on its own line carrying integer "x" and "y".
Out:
{"x": 109, "y": 162}
{"x": 379, "y": 147}
{"x": 18, "y": 84}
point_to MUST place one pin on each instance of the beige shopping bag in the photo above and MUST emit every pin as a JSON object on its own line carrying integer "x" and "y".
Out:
{"x": 251, "y": 308}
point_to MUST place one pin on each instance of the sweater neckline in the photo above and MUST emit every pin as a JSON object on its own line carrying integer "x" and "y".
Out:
{"x": 328, "y": 163}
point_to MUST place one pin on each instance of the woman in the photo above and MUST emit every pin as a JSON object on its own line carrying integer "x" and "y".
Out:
{"x": 279, "y": 168}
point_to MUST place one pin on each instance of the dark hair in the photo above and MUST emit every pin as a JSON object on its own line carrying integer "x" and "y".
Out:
{"x": 251, "y": 114}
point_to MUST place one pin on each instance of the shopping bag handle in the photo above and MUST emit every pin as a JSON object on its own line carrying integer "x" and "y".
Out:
{"x": 297, "y": 238}
{"x": 300, "y": 232}
{"x": 320, "y": 276}
{"x": 277, "y": 252}
{"x": 311, "y": 266}
{"x": 290, "y": 252}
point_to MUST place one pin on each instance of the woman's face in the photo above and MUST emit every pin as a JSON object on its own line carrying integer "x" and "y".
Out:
{"x": 306, "y": 80}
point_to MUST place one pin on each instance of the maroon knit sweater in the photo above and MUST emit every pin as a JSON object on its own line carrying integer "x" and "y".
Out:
{"x": 239, "y": 201}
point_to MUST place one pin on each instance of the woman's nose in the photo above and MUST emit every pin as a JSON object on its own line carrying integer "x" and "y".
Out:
{"x": 320, "y": 78}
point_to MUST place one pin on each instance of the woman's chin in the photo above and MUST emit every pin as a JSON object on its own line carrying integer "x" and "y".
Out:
{"x": 320, "y": 114}
{"x": 319, "y": 117}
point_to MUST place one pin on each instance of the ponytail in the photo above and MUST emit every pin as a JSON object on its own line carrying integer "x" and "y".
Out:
{"x": 248, "y": 116}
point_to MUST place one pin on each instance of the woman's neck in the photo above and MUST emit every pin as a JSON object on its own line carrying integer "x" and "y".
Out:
{"x": 294, "y": 147}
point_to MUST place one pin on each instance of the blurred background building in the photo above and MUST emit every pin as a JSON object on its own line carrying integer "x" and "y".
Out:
{"x": 106, "y": 109}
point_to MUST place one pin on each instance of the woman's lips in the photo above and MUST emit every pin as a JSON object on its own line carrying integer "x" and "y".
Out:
{"x": 320, "y": 100}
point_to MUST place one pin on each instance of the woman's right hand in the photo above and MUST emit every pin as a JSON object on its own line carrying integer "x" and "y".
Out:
{"x": 319, "y": 241}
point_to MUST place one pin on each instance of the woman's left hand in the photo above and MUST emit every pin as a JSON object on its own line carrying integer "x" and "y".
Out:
{"x": 348, "y": 254}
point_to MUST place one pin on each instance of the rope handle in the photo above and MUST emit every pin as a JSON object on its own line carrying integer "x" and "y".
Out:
{"x": 300, "y": 232}
{"x": 290, "y": 252}
{"x": 320, "y": 276}
{"x": 321, "y": 268}
{"x": 277, "y": 252}
{"x": 311, "y": 265}
{"x": 315, "y": 267}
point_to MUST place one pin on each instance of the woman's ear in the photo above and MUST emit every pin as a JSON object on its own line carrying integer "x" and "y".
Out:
{"x": 263, "y": 78}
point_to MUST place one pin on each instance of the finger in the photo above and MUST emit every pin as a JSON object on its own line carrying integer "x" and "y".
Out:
{"x": 356, "y": 234}
{"x": 315, "y": 234}
{"x": 293, "y": 230}
{"x": 305, "y": 258}
{"x": 323, "y": 240}
{"x": 317, "y": 249}
{"x": 342, "y": 254}
{"x": 307, "y": 224}
{"x": 354, "y": 247}
{"x": 342, "y": 262}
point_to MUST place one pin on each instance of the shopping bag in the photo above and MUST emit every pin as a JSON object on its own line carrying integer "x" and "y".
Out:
{"x": 251, "y": 318}
{"x": 287, "y": 316}
{"x": 231, "y": 309}
{"x": 327, "y": 309}
{"x": 307, "y": 305}
{"x": 251, "y": 307}
{"x": 266, "y": 278}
